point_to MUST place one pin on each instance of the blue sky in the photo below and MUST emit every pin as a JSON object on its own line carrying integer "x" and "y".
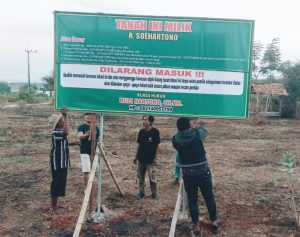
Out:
{"x": 30, "y": 24}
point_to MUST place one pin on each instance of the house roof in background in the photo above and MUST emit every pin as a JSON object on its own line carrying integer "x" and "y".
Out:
{"x": 268, "y": 88}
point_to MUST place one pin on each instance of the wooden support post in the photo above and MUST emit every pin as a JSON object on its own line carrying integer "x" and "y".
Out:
{"x": 184, "y": 212}
{"x": 176, "y": 211}
{"x": 267, "y": 103}
{"x": 257, "y": 103}
{"x": 110, "y": 170}
{"x": 280, "y": 105}
{"x": 86, "y": 198}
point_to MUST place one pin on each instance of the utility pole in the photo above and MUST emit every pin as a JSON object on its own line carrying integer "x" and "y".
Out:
{"x": 29, "y": 51}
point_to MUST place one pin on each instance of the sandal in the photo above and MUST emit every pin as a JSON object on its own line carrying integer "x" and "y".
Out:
{"x": 214, "y": 227}
{"x": 195, "y": 229}
{"x": 88, "y": 221}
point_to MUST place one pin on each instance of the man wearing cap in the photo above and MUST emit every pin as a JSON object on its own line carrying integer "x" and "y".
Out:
{"x": 86, "y": 146}
{"x": 59, "y": 156}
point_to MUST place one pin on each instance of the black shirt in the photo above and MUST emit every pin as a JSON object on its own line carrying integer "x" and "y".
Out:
{"x": 86, "y": 145}
{"x": 148, "y": 141}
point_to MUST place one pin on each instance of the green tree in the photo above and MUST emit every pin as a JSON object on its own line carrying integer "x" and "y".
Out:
{"x": 291, "y": 75}
{"x": 24, "y": 89}
{"x": 33, "y": 97}
{"x": 256, "y": 57}
{"x": 271, "y": 61}
{"x": 285, "y": 66}
{"x": 4, "y": 87}
{"x": 49, "y": 83}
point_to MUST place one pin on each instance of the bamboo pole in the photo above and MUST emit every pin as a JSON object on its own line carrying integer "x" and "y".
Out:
{"x": 86, "y": 199}
{"x": 110, "y": 169}
{"x": 183, "y": 214}
{"x": 267, "y": 104}
{"x": 294, "y": 202}
{"x": 280, "y": 105}
{"x": 257, "y": 103}
{"x": 176, "y": 211}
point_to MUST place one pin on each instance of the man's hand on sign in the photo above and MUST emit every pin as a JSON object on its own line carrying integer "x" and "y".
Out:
{"x": 64, "y": 111}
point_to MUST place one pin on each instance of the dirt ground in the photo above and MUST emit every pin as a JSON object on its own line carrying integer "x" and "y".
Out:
{"x": 252, "y": 192}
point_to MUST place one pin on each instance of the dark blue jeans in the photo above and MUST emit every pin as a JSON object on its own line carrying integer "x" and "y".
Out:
{"x": 199, "y": 177}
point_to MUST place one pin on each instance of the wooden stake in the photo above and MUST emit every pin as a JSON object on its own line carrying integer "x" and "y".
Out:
{"x": 267, "y": 104}
{"x": 86, "y": 199}
{"x": 176, "y": 211}
{"x": 110, "y": 169}
{"x": 257, "y": 104}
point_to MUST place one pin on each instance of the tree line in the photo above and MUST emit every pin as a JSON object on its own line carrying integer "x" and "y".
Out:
{"x": 267, "y": 66}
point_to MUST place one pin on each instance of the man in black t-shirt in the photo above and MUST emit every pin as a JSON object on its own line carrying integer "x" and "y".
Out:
{"x": 148, "y": 143}
{"x": 86, "y": 146}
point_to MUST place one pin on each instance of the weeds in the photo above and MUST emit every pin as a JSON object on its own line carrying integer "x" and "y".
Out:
{"x": 21, "y": 159}
{"x": 38, "y": 218}
{"x": 269, "y": 201}
{"x": 27, "y": 149}
{"x": 288, "y": 164}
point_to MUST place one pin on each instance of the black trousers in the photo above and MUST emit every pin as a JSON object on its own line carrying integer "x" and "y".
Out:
{"x": 195, "y": 178}
{"x": 59, "y": 181}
